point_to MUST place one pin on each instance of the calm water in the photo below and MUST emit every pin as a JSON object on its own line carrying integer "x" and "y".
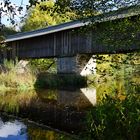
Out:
{"x": 63, "y": 110}
{"x": 59, "y": 109}
{"x": 13, "y": 129}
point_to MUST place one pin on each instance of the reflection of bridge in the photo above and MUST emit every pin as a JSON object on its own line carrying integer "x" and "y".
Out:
{"x": 65, "y": 41}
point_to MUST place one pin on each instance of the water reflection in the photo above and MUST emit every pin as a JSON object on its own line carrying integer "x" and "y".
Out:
{"x": 61, "y": 109}
{"x": 64, "y": 110}
{"x": 12, "y": 130}
{"x": 90, "y": 94}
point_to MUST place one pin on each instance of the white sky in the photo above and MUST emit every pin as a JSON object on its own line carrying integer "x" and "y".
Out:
{"x": 18, "y": 2}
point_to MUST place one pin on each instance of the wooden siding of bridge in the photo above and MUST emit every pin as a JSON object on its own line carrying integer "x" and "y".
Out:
{"x": 63, "y": 44}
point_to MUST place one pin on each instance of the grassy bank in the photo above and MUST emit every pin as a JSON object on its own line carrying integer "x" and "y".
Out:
{"x": 114, "y": 118}
{"x": 117, "y": 112}
{"x": 11, "y": 79}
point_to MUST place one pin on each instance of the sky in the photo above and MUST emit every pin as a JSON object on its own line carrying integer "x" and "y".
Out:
{"x": 22, "y": 3}
{"x": 18, "y": 2}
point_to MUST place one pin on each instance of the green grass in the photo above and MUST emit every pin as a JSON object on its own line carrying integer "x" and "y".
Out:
{"x": 10, "y": 79}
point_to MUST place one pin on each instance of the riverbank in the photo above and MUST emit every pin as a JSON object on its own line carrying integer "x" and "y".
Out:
{"x": 18, "y": 77}
{"x": 116, "y": 100}
{"x": 110, "y": 98}
{"x": 15, "y": 76}
{"x": 11, "y": 80}
{"x": 28, "y": 81}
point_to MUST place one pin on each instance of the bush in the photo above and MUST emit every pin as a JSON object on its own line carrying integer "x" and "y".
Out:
{"x": 11, "y": 79}
{"x": 115, "y": 118}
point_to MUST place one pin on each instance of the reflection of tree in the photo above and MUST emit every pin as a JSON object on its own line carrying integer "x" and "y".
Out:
{"x": 1, "y": 122}
{"x": 12, "y": 101}
{"x": 43, "y": 134}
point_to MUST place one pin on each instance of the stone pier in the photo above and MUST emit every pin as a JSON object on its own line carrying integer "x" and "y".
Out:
{"x": 80, "y": 65}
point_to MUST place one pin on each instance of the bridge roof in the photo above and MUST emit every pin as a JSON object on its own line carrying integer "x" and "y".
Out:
{"x": 118, "y": 14}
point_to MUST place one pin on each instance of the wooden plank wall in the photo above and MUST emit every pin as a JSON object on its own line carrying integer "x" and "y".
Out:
{"x": 63, "y": 44}
{"x": 59, "y": 44}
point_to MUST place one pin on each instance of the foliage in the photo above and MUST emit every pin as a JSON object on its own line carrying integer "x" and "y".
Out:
{"x": 115, "y": 118}
{"x": 116, "y": 115}
{"x": 2, "y": 38}
{"x": 116, "y": 34}
{"x": 37, "y": 134}
{"x": 85, "y": 8}
{"x": 81, "y": 7}
{"x": 113, "y": 64}
{"x": 45, "y": 14}
{"x": 43, "y": 65}
{"x": 12, "y": 101}
{"x": 33, "y": 2}
{"x": 60, "y": 81}
{"x": 11, "y": 79}
{"x": 7, "y": 31}
{"x": 116, "y": 74}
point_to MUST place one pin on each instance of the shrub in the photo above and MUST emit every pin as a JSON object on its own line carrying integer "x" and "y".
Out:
{"x": 115, "y": 118}
{"x": 11, "y": 79}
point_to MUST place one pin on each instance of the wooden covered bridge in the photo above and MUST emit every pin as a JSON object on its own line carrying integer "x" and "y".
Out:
{"x": 65, "y": 41}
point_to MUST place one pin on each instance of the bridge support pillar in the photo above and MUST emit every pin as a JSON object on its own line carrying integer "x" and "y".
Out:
{"x": 66, "y": 65}
{"x": 79, "y": 64}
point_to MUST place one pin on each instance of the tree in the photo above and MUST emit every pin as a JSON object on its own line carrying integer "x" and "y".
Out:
{"x": 5, "y": 32}
{"x": 86, "y": 8}
{"x": 81, "y": 7}
{"x": 45, "y": 14}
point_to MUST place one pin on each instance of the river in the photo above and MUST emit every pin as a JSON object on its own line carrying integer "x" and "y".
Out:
{"x": 63, "y": 110}
{"x": 15, "y": 129}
